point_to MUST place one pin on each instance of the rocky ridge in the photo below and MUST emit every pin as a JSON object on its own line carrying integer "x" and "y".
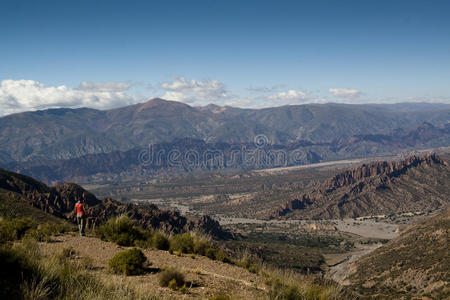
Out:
{"x": 414, "y": 184}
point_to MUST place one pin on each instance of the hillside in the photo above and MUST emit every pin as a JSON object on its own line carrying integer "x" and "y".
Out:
{"x": 61, "y": 264}
{"x": 17, "y": 190}
{"x": 208, "y": 277}
{"x": 59, "y": 145}
{"x": 379, "y": 188}
{"x": 412, "y": 265}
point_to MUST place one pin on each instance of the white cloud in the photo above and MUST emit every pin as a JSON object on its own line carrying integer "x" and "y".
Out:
{"x": 242, "y": 102}
{"x": 264, "y": 89}
{"x": 176, "y": 96}
{"x": 194, "y": 91}
{"x": 104, "y": 86}
{"x": 24, "y": 95}
{"x": 291, "y": 96}
{"x": 345, "y": 92}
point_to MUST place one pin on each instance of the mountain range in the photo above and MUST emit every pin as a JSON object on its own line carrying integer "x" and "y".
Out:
{"x": 57, "y": 145}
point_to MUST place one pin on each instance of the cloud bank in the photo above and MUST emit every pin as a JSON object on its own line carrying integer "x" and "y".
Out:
{"x": 24, "y": 95}
{"x": 345, "y": 93}
{"x": 291, "y": 95}
{"x": 195, "y": 92}
{"x": 28, "y": 95}
{"x": 104, "y": 86}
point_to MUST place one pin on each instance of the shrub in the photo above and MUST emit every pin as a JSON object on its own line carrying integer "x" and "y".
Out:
{"x": 245, "y": 262}
{"x": 146, "y": 240}
{"x": 222, "y": 256}
{"x": 287, "y": 284}
{"x": 183, "y": 243}
{"x": 197, "y": 244}
{"x": 129, "y": 262}
{"x": 201, "y": 244}
{"x": 67, "y": 252}
{"x": 160, "y": 241}
{"x": 171, "y": 278}
{"x": 14, "y": 229}
{"x": 253, "y": 269}
{"x": 121, "y": 231}
{"x": 280, "y": 291}
{"x": 44, "y": 231}
{"x": 211, "y": 253}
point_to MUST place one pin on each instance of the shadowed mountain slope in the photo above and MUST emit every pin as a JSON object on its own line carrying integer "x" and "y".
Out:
{"x": 60, "y": 202}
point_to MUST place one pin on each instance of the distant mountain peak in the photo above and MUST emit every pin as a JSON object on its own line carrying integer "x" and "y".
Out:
{"x": 158, "y": 103}
{"x": 214, "y": 108}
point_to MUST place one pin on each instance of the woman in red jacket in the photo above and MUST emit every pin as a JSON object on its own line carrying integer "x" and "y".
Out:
{"x": 81, "y": 214}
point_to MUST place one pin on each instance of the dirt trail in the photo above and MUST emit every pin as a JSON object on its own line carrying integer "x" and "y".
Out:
{"x": 205, "y": 277}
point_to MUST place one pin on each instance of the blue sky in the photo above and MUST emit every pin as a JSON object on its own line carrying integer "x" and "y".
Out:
{"x": 245, "y": 53}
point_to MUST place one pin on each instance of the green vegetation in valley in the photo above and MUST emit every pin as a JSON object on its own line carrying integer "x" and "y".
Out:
{"x": 286, "y": 246}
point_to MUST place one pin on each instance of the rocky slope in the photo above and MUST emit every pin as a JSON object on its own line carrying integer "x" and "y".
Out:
{"x": 60, "y": 201}
{"x": 414, "y": 184}
{"x": 412, "y": 266}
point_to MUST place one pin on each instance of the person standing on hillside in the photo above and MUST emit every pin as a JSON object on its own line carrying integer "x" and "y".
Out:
{"x": 81, "y": 216}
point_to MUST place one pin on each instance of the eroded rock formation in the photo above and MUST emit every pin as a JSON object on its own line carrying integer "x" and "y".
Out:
{"x": 415, "y": 183}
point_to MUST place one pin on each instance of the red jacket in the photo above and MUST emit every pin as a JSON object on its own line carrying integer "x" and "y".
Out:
{"x": 80, "y": 208}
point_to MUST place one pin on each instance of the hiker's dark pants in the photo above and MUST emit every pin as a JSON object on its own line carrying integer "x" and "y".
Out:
{"x": 81, "y": 223}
